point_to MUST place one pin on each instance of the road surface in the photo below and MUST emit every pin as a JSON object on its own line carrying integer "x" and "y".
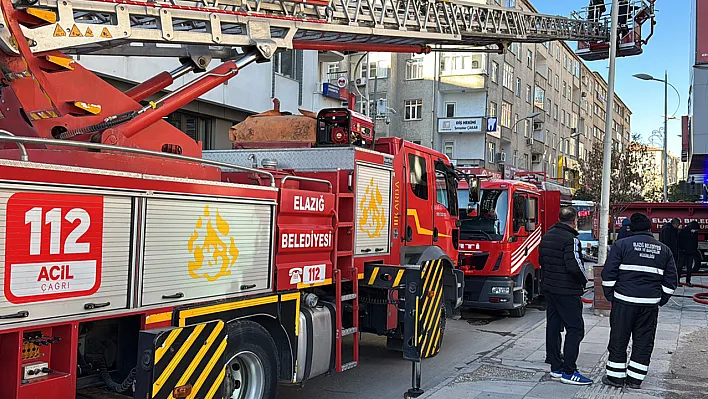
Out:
{"x": 383, "y": 374}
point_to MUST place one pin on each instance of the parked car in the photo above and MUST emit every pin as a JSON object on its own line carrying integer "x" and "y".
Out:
{"x": 589, "y": 243}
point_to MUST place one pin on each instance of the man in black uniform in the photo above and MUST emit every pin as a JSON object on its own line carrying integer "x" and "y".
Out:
{"x": 669, "y": 237}
{"x": 563, "y": 281}
{"x": 688, "y": 250}
{"x": 639, "y": 277}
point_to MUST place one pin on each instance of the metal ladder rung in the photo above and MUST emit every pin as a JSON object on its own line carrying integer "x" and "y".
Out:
{"x": 349, "y": 366}
{"x": 349, "y": 331}
{"x": 348, "y": 297}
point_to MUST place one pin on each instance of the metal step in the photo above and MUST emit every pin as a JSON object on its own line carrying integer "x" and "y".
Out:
{"x": 348, "y": 297}
{"x": 89, "y": 26}
{"x": 349, "y": 331}
{"x": 349, "y": 366}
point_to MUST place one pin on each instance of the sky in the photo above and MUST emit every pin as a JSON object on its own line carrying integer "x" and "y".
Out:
{"x": 667, "y": 50}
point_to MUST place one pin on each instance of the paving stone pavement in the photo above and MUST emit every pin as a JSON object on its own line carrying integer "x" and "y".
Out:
{"x": 516, "y": 369}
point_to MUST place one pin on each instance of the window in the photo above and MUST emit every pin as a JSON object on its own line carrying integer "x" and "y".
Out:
{"x": 539, "y": 98}
{"x": 518, "y": 52}
{"x": 418, "y": 176}
{"x": 525, "y": 162}
{"x": 528, "y": 94}
{"x": 529, "y": 58}
{"x": 527, "y": 128}
{"x": 332, "y": 68}
{"x": 363, "y": 71}
{"x": 519, "y": 212}
{"x": 450, "y": 110}
{"x": 576, "y": 68}
{"x": 558, "y": 52}
{"x": 495, "y": 72}
{"x": 446, "y": 189}
{"x": 492, "y": 112}
{"x": 550, "y": 48}
{"x": 285, "y": 63}
{"x": 490, "y": 222}
{"x": 449, "y": 149}
{"x": 491, "y": 152}
{"x": 565, "y": 61}
{"x": 373, "y": 70}
{"x": 517, "y": 88}
{"x": 554, "y": 143}
{"x": 562, "y": 115}
{"x": 413, "y": 110}
{"x": 549, "y": 107}
{"x": 513, "y": 48}
{"x": 414, "y": 69}
{"x": 549, "y": 78}
{"x": 555, "y": 112}
{"x": 516, "y": 123}
{"x": 556, "y": 82}
{"x": 565, "y": 88}
{"x": 506, "y": 114}
{"x": 457, "y": 63}
{"x": 416, "y": 142}
{"x": 508, "y": 77}
{"x": 510, "y": 3}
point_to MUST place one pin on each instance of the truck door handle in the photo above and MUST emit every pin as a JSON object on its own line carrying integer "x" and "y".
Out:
{"x": 19, "y": 315}
{"x": 248, "y": 286}
{"x": 177, "y": 295}
{"x": 409, "y": 233}
{"x": 91, "y": 306}
{"x": 436, "y": 233}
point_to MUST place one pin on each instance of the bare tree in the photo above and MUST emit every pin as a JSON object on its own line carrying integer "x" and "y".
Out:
{"x": 628, "y": 177}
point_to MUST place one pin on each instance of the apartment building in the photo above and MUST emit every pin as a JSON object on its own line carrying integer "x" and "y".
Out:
{"x": 476, "y": 106}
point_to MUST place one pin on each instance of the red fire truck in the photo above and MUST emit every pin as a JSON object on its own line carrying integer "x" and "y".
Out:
{"x": 130, "y": 263}
{"x": 661, "y": 213}
{"x": 500, "y": 231}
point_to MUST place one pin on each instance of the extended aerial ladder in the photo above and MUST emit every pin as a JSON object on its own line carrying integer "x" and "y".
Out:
{"x": 42, "y": 79}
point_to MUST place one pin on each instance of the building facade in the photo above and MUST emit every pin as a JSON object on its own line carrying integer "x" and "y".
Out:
{"x": 695, "y": 130}
{"x": 536, "y": 107}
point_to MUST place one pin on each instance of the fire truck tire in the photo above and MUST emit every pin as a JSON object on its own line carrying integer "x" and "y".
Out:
{"x": 521, "y": 310}
{"x": 252, "y": 364}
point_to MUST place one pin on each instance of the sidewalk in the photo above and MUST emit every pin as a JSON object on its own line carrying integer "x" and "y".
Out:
{"x": 517, "y": 370}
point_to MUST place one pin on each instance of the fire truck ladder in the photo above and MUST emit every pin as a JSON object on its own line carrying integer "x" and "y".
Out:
{"x": 94, "y": 26}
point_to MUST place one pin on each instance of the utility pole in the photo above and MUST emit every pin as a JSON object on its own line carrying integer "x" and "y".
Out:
{"x": 666, "y": 135}
{"x": 607, "y": 159}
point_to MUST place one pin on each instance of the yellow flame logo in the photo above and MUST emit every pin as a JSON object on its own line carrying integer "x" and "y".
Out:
{"x": 373, "y": 219}
{"x": 213, "y": 258}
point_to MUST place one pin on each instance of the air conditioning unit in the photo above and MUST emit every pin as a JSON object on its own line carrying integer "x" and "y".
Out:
{"x": 501, "y": 157}
{"x": 537, "y": 126}
{"x": 360, "y": 82}
{"x": 536, "y": 158}
{"x": 529, "y": 141}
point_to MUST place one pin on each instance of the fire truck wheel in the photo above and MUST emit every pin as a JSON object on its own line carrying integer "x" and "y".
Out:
{"x": 252, "y": 364}
{"x": 521, "y": 310}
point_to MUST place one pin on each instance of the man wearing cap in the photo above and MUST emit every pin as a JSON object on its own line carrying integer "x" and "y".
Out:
{"x": 639, "y": 277}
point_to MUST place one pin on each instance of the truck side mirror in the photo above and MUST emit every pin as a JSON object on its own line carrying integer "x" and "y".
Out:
{"x": 474, "y": 183}
{"x": 530, "y": 227}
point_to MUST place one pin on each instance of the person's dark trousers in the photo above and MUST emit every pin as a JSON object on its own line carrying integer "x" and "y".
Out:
{"x": 685, "y": 262}
{"x": 639, "y": 323}
{"x": 564, "y": 311}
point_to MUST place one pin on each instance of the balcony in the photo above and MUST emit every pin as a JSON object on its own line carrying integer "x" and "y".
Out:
{"x": 506, "y": 134}
{"x": 538, "y": 147}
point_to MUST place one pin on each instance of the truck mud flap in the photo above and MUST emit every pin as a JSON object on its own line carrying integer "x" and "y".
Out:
{"x": 422, "y": 289}
{"x": 182, "y": 362}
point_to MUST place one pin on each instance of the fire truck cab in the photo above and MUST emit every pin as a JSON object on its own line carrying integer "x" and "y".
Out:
{"x": 500, "y": 231}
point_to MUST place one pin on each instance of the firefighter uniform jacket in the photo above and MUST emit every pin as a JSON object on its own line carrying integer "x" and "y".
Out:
{"x": 639, "y": 271}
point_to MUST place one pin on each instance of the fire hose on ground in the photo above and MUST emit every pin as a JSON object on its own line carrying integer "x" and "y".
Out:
{"x": 699, "y": 297}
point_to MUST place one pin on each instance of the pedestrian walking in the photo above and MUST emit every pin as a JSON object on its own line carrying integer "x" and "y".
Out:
{"x": 624, "y": 231}
{"x": 639, "y": 277}
{"x": 563, "y": 281}
{"x": 669, "y": 237}
{"x": 688, "y": 249}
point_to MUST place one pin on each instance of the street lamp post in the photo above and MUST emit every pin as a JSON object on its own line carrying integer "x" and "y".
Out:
{"x": 513, "y": 129}
{"x": 666, "y": 83}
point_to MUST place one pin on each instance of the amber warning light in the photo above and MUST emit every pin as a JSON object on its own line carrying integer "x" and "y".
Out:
{"x": 182, "y": 392}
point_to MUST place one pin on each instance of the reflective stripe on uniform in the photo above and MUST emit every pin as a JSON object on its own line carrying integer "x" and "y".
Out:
{"x": 667, "y": 290}
{"x": 609, "y": 283}
{"x": 639, "y": 268}
{"x": 616, "y": 365}
{"x": 638, "y": 366}
{"x": 636, "y": 376}
{"x": 616, "y": 374}
{"x": 633, "y": 299}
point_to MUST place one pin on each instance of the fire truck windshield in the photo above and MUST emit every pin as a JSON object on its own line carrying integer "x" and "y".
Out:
{"x": 489, "y": 222}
